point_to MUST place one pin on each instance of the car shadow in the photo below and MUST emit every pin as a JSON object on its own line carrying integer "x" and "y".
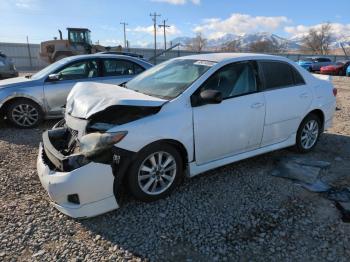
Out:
{"x": 199, "y": 215}
{"x": 29, "y": 137}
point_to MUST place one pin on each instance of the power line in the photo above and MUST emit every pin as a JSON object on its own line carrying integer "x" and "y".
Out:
{"x": 154, "y": 19}
{"x": 124, "y": 25}
{"x": 164, "y": 25}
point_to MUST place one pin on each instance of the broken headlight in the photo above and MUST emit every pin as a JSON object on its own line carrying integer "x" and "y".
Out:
{"x": 95, "y": 143}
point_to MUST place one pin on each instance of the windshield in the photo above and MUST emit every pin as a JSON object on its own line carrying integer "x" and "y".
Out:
{"x": 79, "y": 37}
{"x": 169, "y": 79}
{"x": 48, "y": 70}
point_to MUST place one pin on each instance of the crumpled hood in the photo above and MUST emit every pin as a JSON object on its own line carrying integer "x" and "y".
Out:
{"x": 88, "y": 98}
{"x": 17, "y": 82}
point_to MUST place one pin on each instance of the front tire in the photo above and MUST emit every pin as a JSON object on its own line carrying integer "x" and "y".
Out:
{"x": 308, "y": 133}
{"x": 155, "y": 173}
{"x": 24, "y": 113}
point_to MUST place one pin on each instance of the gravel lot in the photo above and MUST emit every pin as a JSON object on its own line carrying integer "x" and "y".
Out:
{"x": 237, "y": 212}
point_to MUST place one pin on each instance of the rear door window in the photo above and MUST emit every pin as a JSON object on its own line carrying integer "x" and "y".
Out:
{"x": 277, "y": 74}
{"x": 119, "y": 67}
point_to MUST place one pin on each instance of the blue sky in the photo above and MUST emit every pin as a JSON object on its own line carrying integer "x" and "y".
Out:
{"x": 40, "y": 19}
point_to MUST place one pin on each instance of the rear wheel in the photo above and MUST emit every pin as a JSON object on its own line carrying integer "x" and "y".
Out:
{"x": 24, "y": 113}
{"x": 308, "y": 133}
{"x": 158, "y": 169}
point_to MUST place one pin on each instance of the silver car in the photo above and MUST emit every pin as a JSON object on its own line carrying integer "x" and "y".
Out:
{"x": 26, "y": 101}
{"x": 7, "y": 68}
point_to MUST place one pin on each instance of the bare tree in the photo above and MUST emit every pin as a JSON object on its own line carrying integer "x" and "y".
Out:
{"x": 233, "y": 46}
{"x": 197, "y": 44}
{"x": 318, "y": 40}
{"x": 267, "y": 46}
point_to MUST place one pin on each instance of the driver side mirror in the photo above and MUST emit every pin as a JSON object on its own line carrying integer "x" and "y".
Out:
{"x": 54, "y": 77}
{"x": 209, "y": 96}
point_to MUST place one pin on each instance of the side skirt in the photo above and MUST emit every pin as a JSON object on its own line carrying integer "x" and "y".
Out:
{"x": 194, "y": 169}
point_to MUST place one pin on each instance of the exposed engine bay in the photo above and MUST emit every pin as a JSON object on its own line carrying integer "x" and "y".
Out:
{"x": 62, "y": 144}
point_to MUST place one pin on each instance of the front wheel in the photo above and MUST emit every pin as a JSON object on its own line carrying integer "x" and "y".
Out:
{"x": 24, "y": 113}
{"x": 308, "y": 133}
{"x": 157, "y": 170}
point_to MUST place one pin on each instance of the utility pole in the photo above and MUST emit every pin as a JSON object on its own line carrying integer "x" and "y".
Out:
{"x": 164, "y": 25}
{"x": 342, "y": 46}
{"x": 124, "y": 25}
{"x": 154, "y": 19}
{"x": 29, "y": 54}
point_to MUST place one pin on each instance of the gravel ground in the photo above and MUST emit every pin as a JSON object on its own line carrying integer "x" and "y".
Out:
{"x": 237, "y": 212}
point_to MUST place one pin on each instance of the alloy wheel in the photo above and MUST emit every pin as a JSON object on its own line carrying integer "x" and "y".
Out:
{"x": 309, "y": 134}
{"x": 157, "y": 173}
{"x": 25, "y": 115}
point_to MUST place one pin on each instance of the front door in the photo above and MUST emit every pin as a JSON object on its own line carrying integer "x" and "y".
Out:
{"x": 56, "y": 91}
{"x": 236, "y": 124}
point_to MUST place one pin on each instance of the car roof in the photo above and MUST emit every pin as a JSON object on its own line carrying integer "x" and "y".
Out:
{"x": 219, "y": 57}
{"x": 98, "y": 55}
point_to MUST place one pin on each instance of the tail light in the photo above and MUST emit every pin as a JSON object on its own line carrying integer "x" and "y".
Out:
{"x": 335, "y": 91}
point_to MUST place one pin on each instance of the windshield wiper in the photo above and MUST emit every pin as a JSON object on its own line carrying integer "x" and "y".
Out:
{"x": 123, "y": 85}
{"x": 28, "y": 76}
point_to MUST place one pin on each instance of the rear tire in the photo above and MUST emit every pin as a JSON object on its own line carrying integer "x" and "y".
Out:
{"x": 308, "y": 133}
{"x": 155, "y": 173}
{"x": 24, "y": 113}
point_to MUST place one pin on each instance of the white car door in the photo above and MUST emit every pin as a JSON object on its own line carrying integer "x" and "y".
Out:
{"x": 117, "y": 71}
{"x": 236, "y": 124}
{"x": 287, "y": 100}
{"x": 56, "y": 91}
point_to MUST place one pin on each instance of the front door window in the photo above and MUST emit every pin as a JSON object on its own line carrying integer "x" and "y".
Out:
{"x": 79, "y": 70}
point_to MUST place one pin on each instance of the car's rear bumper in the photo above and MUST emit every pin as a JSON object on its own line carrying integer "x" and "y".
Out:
{"x": 90, "y": 186}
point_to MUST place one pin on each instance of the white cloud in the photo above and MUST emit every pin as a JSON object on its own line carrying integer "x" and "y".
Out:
{"x": 111, "y": 42}
{"x": 172, "y": 30}
{"x": 339, "y": 30}
{"x": 239, "y": 24}
{"x": 25, "y": 4}
{"x": 142, "y": 44}
{"x": 178, "y": 2}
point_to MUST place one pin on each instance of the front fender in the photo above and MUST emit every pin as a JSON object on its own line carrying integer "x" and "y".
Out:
{"x": 14, "y": 95}
{"x": 173, "y": 122}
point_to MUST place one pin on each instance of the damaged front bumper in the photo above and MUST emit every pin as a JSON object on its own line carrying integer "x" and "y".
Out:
{"x": 77, "y": 187}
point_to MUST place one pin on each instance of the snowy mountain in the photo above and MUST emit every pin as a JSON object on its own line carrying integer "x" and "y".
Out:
{"x": 247, "y": 39}
{"x": 244, "y": 40}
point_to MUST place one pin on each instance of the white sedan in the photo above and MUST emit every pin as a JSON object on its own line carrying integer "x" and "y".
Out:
{"x": 182, "y": 117}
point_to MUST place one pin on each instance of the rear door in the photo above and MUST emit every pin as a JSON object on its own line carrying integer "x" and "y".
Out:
{"x": 56, "y": 91}
{"x": 118, "y": 71}
{"x": 287, "y": 99}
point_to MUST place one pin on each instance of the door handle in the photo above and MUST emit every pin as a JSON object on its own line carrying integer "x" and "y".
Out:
{"x": 304, "y": 95}
{"x": 257, "y": 105}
